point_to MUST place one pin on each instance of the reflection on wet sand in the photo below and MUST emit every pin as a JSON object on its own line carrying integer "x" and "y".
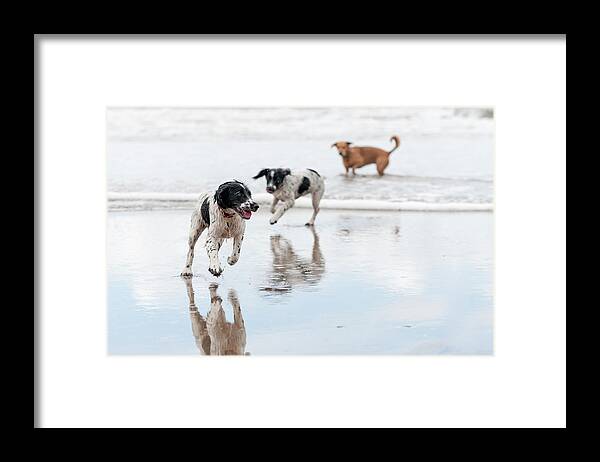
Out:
{"x": 214, "y": 335}
{"x": 290, "y": 269}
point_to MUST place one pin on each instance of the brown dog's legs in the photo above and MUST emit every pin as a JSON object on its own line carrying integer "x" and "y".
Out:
{"x": 382, "y": 163}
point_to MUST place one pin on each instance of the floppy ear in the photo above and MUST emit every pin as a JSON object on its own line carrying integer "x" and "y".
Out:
{"x": 287, "y": 171}
{"x": 334, "y": 145}
{"x": 220, "y": 198}
{"x": 348, "y": 143}
{"x": 263, "y": 172}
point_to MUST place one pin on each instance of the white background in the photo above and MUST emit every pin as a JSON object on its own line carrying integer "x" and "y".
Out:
{"x": 523, "y": 384}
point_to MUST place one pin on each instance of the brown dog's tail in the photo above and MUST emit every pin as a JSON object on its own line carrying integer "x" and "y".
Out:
{"x": 396, "y": 139}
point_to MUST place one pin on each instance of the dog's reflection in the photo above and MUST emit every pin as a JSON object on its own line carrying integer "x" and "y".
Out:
{"x": 290, "y": 269}
{"x": 213, "y": 334}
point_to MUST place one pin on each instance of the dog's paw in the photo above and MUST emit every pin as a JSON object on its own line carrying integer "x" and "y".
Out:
{"x": 272, "y": 221}
{"x": 216, "y": 271}
{"x": 232, "y": 260}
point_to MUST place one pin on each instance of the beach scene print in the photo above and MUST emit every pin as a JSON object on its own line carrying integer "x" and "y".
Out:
{"x": 397, "y": 257}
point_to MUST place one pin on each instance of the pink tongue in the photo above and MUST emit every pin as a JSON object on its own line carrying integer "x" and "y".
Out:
{"x": 246, "y": 214}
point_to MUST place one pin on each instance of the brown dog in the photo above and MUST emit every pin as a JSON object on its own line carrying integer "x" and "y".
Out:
{"x": 359, "y": 156}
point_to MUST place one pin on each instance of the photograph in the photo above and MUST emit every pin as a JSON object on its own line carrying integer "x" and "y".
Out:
{"x": 266, "y": 231}
{"x": 371, "y": 229}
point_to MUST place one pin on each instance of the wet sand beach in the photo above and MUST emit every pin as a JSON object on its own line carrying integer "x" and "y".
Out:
{"x": 359, "y": 283}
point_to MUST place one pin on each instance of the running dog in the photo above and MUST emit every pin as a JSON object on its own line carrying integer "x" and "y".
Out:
{"x": 286, "y": 187}
{"x": 359, "y": 156}
{"x": 223, "y": 214}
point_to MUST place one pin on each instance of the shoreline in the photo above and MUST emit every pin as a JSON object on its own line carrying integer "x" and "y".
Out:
{"x": 148, "y": 198}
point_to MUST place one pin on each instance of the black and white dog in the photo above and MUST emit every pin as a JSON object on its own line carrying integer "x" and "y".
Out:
{"x": 286, "y": 187}
{"x": 224, "y": 214}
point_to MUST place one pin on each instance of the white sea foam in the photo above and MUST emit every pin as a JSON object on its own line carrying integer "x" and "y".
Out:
{"x": 222, "y": 124}
{"x": 445, "y": 160}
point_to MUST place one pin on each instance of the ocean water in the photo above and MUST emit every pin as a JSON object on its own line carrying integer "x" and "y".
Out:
{"x": 445, "y": 157}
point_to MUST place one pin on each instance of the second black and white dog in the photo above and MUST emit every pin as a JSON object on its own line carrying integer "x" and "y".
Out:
{"x": 286, "y": 187}
{"x": 223, "y": 214}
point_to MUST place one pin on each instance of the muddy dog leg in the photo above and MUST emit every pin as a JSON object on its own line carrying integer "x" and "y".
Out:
{"x": 316, "y": 200}
{"x": 273, "y": 205}
{"x": 213, "y": 245}
{"x": 235, "y": 253}
{"x": 288, "y": 204}
{"x": 196, "y": 229}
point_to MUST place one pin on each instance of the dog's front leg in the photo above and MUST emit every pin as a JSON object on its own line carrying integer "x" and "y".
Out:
{"x": 288, "y": 204}
{"x": 235, "y": 251}
{"x": 275, "y": 200}
{"x": 213, "y": 245}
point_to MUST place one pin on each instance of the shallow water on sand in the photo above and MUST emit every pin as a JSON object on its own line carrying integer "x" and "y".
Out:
{"x": 359, "y": 283}
{"x": 424, "y": 169}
